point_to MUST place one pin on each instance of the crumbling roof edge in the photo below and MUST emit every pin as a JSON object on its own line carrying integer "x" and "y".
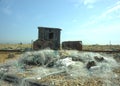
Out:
{"x": 72, "y": 41}
{"x": 48, "y": 28}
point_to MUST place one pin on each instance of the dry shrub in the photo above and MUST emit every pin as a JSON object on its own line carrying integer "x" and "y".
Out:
{"x": 11, "y": 55}
{"x": 63, "y": 80}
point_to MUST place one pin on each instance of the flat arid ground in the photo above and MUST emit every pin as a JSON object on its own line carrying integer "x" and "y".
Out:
{"x": 105, "y": 72}
{"x": 4, "y": 55}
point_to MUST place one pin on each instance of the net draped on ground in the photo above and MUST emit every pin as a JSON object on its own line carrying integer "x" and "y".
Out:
{"x": 39, "y": 64}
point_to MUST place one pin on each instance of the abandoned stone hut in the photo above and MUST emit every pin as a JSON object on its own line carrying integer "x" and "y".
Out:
{"x": 74, "y": 45}
{"x": 47, "y": 38}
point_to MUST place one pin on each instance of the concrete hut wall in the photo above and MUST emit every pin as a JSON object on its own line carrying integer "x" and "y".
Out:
{"x": 72, "y": 45}
{"x": 47, "y": 38}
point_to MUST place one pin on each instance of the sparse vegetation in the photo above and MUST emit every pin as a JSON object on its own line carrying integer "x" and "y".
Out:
{"x": 11, "y": 55}
{"x": 101, "y": 47}
{"x": 14, "y": 46}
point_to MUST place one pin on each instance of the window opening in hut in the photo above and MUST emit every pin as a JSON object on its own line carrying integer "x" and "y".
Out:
{"x": 51, "y": 35}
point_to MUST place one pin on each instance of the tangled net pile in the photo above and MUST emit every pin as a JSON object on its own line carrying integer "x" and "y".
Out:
{"x": 69, "y": 64}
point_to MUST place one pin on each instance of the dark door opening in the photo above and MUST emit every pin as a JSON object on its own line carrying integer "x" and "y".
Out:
{"x": 51, "y": 35}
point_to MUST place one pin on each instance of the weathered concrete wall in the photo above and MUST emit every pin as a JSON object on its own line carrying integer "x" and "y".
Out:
{"x": 74, "y": 45}
{"x": 47, "y": 37}
{"x": 41, "y": 44}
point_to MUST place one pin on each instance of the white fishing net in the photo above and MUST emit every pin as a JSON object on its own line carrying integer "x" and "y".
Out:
{"x": 39, "y": 64}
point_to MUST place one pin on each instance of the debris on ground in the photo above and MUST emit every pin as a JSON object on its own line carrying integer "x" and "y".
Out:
{"x": 69, "y": 68}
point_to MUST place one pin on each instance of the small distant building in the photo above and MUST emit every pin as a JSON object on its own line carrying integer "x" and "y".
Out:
{"x": 72, "y": 45}
{"x": 47, "y": 38}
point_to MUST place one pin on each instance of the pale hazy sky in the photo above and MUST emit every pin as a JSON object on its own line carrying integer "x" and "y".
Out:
{"x": 92, "y": 21}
